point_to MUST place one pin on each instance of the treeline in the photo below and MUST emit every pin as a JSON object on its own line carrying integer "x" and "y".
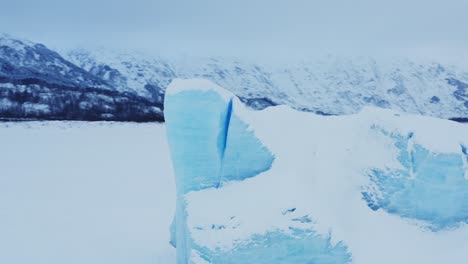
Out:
{"x": 30, "y": 99}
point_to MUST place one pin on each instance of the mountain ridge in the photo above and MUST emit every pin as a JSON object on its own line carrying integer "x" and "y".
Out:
{"x": 131, "y": 87}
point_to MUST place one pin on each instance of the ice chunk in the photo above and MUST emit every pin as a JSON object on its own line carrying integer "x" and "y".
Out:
{"x": 281, "y": 186}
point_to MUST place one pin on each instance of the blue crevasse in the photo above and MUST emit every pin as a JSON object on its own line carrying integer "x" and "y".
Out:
{"x": 431, "y": 187}
{"x": 210, "y": 145}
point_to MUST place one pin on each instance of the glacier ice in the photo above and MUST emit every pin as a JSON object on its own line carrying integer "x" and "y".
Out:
{"x": 281, "y": 186}
{"x": 210, "y": 144}
{"x": 430, "y": 187}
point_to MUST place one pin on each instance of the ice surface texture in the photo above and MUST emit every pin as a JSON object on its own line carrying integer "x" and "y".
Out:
{"x": 430, "y": 186}
{"x": 301, "y": 246}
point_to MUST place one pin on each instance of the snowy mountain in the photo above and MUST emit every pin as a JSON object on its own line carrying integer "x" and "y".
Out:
{"x": 37, "y": 82}
{"x": 328, "y": 85}
{"x": 134, "y": 73}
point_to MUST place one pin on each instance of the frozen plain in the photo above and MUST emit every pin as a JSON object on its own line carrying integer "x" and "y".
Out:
{"x": 85, "y": 192}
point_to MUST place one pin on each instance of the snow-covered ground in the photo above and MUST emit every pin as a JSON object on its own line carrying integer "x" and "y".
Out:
{"x": 85, "y": 193}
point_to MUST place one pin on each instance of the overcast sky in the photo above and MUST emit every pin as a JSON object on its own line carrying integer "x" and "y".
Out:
{"x": 435, "y": 29}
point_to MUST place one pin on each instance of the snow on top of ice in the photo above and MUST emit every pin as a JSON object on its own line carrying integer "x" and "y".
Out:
{"x": 180, "y": 85}
{"x": 438, "y": 135}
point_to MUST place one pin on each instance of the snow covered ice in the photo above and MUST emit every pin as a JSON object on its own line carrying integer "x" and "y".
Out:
{"x": 282, "y": 186}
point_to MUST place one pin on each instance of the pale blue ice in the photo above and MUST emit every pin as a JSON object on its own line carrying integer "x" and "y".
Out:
{"x": 301, "y": 246}
{"x": 431, "y": 186}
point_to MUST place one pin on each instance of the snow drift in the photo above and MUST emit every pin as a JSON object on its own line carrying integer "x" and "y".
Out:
{"x": 282, "y": 186}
